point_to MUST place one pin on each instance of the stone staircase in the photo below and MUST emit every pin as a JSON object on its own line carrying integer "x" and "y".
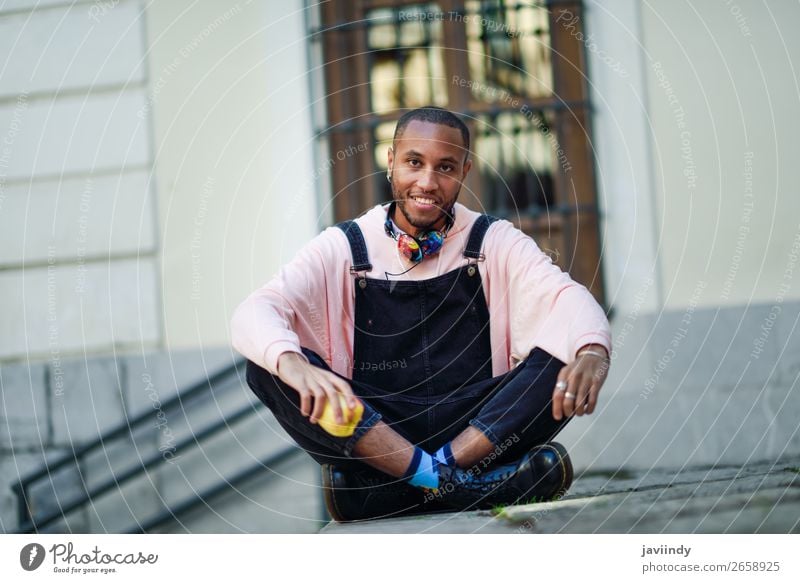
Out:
{"x": 151, "y": 444}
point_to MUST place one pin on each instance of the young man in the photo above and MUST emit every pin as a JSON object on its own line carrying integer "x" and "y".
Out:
{"x": 466, "y": 347}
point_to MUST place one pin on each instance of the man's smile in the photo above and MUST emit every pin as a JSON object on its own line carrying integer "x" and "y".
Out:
{"x": 424, "y": 203}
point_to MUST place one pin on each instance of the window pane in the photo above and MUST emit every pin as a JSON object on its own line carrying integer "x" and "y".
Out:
{"x": 405, "y": 58}
{"x": 508, "y": 47}
{"x": 515, "y": 152}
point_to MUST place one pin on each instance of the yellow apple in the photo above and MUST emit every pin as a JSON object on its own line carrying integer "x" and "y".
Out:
{"x": 351, "y": 418}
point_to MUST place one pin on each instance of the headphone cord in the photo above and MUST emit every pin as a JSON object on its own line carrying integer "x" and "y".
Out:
{"x": 387, "y": 274}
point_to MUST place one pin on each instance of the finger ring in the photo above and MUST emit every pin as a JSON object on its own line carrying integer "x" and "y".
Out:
{"x": 569, "y": 395}
{"x": 561, "y": 386}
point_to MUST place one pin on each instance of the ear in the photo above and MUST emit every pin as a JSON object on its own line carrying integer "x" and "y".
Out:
{"x": 390, "y": 159}
{"x": 467, "y": 167}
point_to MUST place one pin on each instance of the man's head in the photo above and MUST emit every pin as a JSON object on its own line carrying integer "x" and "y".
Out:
{"x": 428, "y": 161}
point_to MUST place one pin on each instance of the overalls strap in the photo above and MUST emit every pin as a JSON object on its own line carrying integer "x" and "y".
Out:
{"x": 358, "y": 246}
{"x": 475, "y": 241}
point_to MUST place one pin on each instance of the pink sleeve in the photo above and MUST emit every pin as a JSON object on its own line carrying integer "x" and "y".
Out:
{"x": 266, "y": 323}
{"x": 547, "y": 308}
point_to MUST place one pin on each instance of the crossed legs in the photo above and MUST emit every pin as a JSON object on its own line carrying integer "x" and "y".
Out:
{"x": 517, "y": 403}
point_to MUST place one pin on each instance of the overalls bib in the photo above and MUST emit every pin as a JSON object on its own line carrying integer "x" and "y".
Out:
{"x": 424, "y": 346}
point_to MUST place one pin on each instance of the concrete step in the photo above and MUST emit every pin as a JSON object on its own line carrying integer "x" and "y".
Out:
{"x": 754, "y": 498}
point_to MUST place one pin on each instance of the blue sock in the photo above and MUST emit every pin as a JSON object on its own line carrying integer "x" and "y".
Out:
{"x": 444, "y": 455}
{"x": 423, "y": 470}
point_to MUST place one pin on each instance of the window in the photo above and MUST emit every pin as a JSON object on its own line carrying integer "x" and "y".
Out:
{"x": 515, "y": 72}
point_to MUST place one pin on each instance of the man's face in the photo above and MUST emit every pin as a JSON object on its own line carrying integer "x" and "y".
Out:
{"x": 427, "y": 168}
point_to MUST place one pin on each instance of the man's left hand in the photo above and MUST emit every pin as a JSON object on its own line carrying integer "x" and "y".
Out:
{"x": 580, "y": 382}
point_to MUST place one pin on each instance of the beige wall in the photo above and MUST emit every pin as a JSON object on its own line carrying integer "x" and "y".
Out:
{"x": 698, "y": 257}
{"x": 78, "y": 265}
{"x": 723, "y": 102}
{"x": 620, "y": 147}
{"x": 155, "y": 167}
{"x": 229, "y": 100}
{"x": 715, "y": 82}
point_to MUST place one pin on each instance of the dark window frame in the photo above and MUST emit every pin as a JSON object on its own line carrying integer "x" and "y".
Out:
{"x": 567, "y": 228}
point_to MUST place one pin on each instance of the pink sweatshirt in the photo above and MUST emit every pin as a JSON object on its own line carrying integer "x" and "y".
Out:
{"x": 311, "y": 301}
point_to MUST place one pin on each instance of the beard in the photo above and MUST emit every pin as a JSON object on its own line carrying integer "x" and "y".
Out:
{"x": 418, "y": 222}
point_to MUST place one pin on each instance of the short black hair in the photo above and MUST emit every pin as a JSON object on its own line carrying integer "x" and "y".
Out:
{"x": 432, "y": 114}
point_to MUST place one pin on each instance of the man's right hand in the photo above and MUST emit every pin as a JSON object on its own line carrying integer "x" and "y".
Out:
{"x": 315, "y": 386}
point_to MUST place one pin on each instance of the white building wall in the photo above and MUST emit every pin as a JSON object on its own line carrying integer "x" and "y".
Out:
{"x": 695, "y": 143}
{"x": 229, "y": 100}
{"x": 166, "y": 153}
{"x": 723, "y": 99}
{"x": 621, "y": 147}
{"x": 78, "y": 263}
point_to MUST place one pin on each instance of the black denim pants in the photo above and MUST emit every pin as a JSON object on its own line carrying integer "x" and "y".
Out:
{"x": 513, "y": 410}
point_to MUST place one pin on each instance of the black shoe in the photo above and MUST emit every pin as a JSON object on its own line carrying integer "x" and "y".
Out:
{"x": 364, "y": 494}
{"x": 544, "y": 473}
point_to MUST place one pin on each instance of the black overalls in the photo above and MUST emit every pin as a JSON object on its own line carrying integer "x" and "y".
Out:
{"x": 423, "y": 364}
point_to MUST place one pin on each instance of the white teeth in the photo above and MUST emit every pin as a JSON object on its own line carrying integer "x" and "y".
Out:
{"x": 423, "y": 200}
